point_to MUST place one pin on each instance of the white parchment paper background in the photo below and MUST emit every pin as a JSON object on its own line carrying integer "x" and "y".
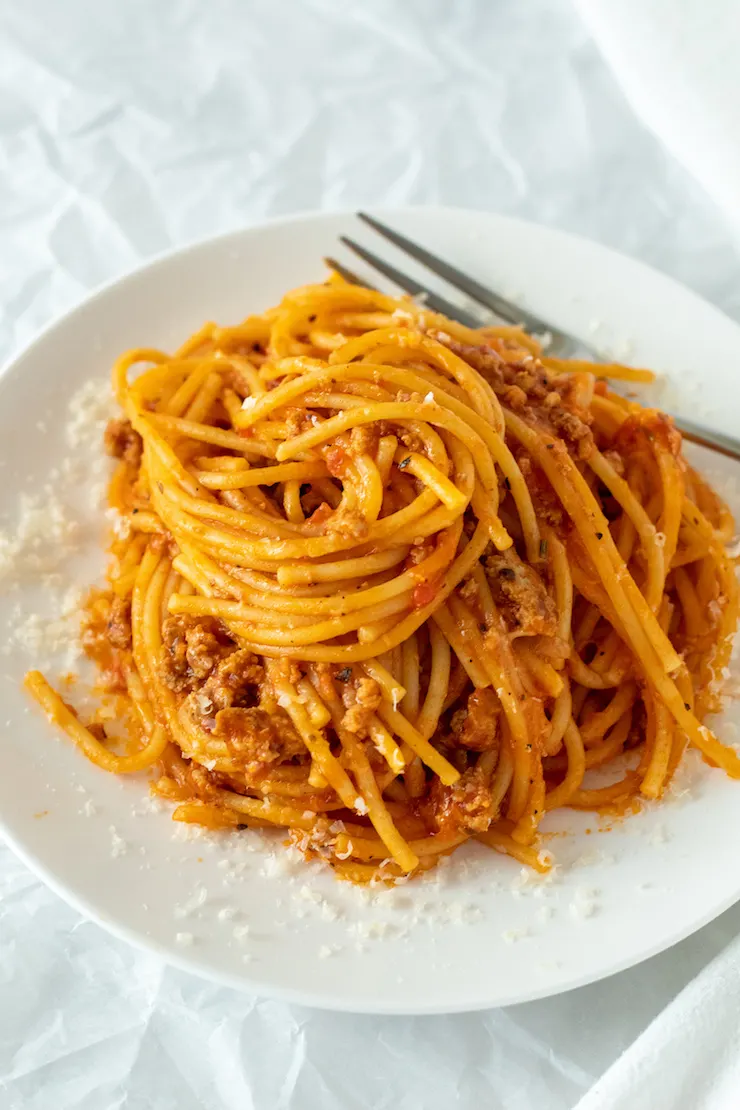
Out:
{"x": 129, "y": 126}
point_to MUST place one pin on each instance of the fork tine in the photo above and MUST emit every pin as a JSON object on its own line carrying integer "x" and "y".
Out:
{"x": 431, "y": 300}
{"x": 570, "y": 346}
{"x": 348, "y": 275}
{"x": 480, "y": 293}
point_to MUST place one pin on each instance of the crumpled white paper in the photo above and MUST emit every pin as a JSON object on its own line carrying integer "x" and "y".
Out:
{"x": 677, "y": 62}
{"x": 129, "y": 128}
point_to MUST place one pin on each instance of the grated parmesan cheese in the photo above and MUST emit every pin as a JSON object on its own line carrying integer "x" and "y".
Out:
{"x": 47, "y": 533}
{"x": 658, "y": 835}
{"x": 43, "y": 538}
{"x": 40, "y": 636}
{"x": 89, "y": 410}
{"x": 584, "y": 903}
{"x": 118, "y": 846}
{"x": 278, "y": 865}
{"x": 120, "y": 525}
{"x": 348, "y": 853}
{"x": 511, "y": 936}
{"x": 197, "y": 899}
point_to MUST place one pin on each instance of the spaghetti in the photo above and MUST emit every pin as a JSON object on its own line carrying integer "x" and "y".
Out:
{"x": 391, "y": 584}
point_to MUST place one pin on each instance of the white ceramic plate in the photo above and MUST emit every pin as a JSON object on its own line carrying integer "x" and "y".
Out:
{"x": 481, "y": 933}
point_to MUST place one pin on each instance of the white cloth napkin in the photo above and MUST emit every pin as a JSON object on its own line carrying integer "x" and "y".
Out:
{"x": 689, "y": 1057}
{"x": 677, "y": 62}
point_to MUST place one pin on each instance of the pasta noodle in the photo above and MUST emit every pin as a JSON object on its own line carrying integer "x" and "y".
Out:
{"x": 391, "y": 584}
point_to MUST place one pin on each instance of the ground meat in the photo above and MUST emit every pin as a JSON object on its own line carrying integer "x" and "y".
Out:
{"x": 204, "y": 650}
{"x": 516, "y": 398}
{"x": 528, "y": 388}
{"x": 369, "y": 693}
{"x": 572, "y": 429}
{"x": 122, "y": 442}
{"x": 475, "y": 727}
{"x": 257, "y": 739}
{"x": 520, "y": 595}
{"x": 119, "y": 623}
{"x": 297, "y": 421}
{"x": 350, "y": 524}
{"x": 468, "y": 591}
{"x": 164, "y": 543}
{"x": 418, "y": 553}
{"x": 410, "y": 440}
{"x": 367, "y": 697}
{"x": 235, "y": 681}
{"x": 174, "y": 668}
{"x": 363, "y": 440}
{"x": 206, "y": 784}
{"x": 196, "y": 649}
{"x": 466, "y": 806}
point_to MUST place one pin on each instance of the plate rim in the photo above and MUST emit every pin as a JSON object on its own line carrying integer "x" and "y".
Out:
{"x": 307, "y": 215}
{"x": 328, "y": 1002}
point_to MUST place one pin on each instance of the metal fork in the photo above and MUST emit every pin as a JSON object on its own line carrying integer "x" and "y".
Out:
{"x": 561, "y": 343}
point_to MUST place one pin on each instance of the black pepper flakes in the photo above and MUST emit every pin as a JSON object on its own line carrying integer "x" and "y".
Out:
{"x": 404, "y": 463}
{"x": 599, "y": 535}
{"x": 345, "y": 674}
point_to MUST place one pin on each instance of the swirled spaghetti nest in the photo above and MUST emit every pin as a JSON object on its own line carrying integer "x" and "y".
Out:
{"x": 392, "y": 584}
